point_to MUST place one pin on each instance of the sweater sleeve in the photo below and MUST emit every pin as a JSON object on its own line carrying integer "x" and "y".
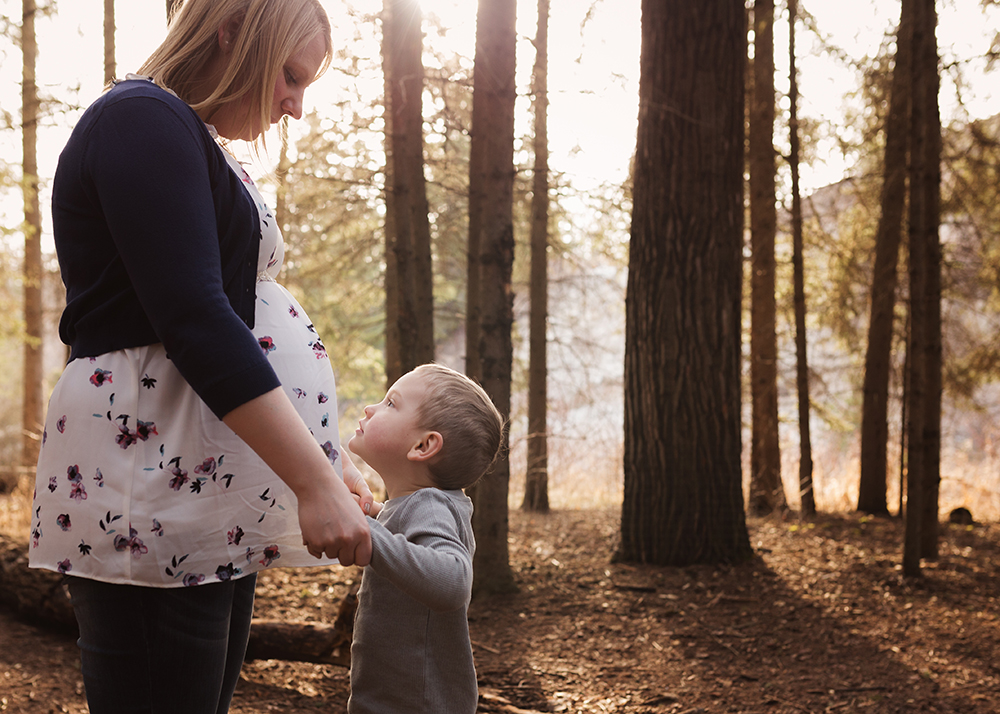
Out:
{"x": 151, "y": 169}
{"x": 427, "y": 560}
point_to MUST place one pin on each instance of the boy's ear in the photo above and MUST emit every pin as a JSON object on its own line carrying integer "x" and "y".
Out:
{"x": 427, "y": 447}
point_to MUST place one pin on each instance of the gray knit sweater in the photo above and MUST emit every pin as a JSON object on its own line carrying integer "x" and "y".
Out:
{"x": 411, "y": 649}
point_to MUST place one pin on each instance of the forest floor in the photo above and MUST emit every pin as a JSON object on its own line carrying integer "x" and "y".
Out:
{"x": 820, "y": 621}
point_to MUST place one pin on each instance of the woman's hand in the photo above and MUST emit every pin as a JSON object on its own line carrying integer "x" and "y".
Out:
{"x": 329, "y": 517}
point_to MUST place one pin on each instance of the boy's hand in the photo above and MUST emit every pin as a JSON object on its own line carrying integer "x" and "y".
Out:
{"x": 357, "y": 485}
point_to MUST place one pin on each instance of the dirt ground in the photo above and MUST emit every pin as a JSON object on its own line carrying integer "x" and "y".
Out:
{"x": 821, "y": 621}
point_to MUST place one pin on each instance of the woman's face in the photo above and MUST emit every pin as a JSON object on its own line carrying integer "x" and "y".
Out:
{"x": 298, "y": 72}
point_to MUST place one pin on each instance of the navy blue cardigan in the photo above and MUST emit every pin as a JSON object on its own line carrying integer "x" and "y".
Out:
{"x": 157, "y": 241}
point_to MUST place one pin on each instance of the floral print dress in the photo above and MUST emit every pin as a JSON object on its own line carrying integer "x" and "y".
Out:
{"x": 139, "y": 482}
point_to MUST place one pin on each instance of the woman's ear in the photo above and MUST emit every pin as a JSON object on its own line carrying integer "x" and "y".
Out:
{"x": 427, "y": 447}
{"x": 228, "y": 32}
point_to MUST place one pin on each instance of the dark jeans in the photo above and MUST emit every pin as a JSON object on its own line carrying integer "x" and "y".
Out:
{"x": 162, "y": 650}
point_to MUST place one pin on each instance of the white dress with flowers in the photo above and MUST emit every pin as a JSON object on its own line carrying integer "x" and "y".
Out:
{"x": 139, "y": 482}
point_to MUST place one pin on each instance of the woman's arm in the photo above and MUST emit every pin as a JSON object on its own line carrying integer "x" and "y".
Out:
{"x": 329, "y": 517}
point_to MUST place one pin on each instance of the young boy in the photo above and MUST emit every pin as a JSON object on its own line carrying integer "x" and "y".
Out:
{"x": 435, "y": 433}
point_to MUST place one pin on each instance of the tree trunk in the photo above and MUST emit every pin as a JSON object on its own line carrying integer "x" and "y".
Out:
{"x": 683, "y": 500}
{"x": 414, "y": 313}
{"x": 874, "y": 416}
{"x": 807, "y": 493}
{"x": 32, "y": 404}
{"x": 491, "y": 229}
{"x": 928, "y": 71}
{"x": 924, "y": 404}
{"x": 536, "y": 487}
{"x": 393, "y": 340}
{"x": 41, "y": 597}
{"x": 109, "y": 41}
{"x": 766, "y": 492}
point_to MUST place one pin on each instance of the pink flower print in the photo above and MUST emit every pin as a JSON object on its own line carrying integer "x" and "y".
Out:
{"x": 271, "y": 554}
{"x": 157, "y": 528}
{"x": 206, "y": 467}
{"x": 292, "y": 311}
{"x": 36, "y": 535}
{"x": 193, "y": 579}
{"x": 249, "y": 554}
{"x": 235, "y": 536}
{"x": 300, "y": 393}
{"x": 125, "y": 437}
{"x": 73, "y": 474}
{"x": 180, "y": 478}
{"x": 100, "y": 376}
{"x": 64, "y": 566}
{"x": 322, "y": 398}
{"x": 53, "y": 484}
{"x": 77, "y": 492}
{"x": 319, "y": 350}
{"x": 99, "y": 478}
{"x": 144, "y": 429}
{"x": 331, "y": 453}
{"x": 61, "y": 424}
{"x": 266, "y": 344}
{"x": 180, "y": 475}
{"x": 62, "y": 520}
{"x": 132, "y": 543}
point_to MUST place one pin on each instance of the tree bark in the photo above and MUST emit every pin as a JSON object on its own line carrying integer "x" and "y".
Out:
{"x": 928, "y": 71}
{"x": 807, "y": 493}
{"x": 536, "y": 487}
{"x": 924, "y": 380}
{"x": 32, "y": 404}
{"x": 41, "y": 597}
{"x": 683, "y": 500}
{"x": 109, "y": 41}
{"x": 411, "y": 245}
{"x": 766, "y": 491}
{"x": 491, "y": 258}
{"x": 878, "y": 356}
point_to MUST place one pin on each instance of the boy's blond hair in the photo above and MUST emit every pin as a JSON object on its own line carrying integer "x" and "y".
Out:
{"x": 270, "y": 31}
{"x": 470, "y": 424}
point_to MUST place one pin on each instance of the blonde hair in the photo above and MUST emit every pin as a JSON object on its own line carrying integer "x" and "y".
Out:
{"x": 469, "y": 423}
{"x": 269, "y": 32}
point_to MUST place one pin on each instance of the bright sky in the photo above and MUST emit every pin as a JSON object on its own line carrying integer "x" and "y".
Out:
{"x": 593, "y": 68}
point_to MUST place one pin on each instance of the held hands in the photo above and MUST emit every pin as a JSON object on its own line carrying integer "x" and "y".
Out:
{"x": 332, "y": 524}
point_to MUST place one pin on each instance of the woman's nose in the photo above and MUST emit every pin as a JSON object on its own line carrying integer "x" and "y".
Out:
{"x": 292, "y": 106}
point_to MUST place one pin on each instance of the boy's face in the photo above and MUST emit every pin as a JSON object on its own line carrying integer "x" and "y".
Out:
{"x": 389, "y": 429}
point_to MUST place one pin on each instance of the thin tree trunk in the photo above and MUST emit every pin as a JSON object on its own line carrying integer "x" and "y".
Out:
{"x": 766, "y": 491}
{"x": 109, "y": 41}
{"x": 32, "y": 406}
{"x": 874, "y": 416}
{"x": 393, "y": 340}
{"x": 683, "y": 500}
{"x": 536, "y": 489}
{"x": 929, "y": 71}
{"x": 807, "y": 494}
{"x": 491, "y": 199}
{"x": 923, "y": 233}
{"x": 402, "y": 43}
